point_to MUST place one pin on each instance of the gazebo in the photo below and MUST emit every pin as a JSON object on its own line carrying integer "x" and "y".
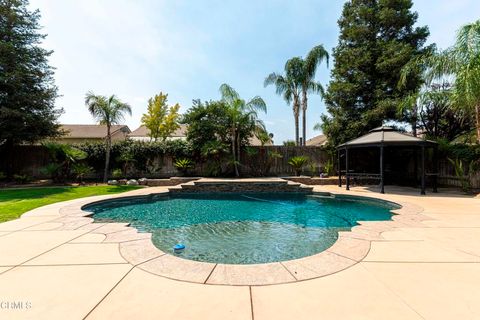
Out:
{"x": 386, "y": 138}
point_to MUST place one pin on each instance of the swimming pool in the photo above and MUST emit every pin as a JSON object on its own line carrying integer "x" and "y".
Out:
{"x": 243, "y": 228}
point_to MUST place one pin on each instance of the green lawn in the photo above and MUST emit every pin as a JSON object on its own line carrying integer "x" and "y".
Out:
{"x": 14, "y": 202}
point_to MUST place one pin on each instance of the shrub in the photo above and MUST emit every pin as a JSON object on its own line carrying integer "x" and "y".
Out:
{"x": 21, "y": 178}
{"x": 63, "y": 156}
{"x": 52, "y": 170}
{"x": 81, "y": 170}
{"x": 328, "y": 168}
{"x": 298, "y": 163}
{"x": 117, "y": 173}
{"x": 145, "y": 153}
{"x": 289, "y": 143}
{"x": 462, "y": 173}
{"x": 313, "y": 169}
{"x": 183, "y": 165}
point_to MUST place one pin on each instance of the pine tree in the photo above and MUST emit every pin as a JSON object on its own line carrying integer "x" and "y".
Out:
{"x": 377, "y": 38}
{"x": 27, "y": 88}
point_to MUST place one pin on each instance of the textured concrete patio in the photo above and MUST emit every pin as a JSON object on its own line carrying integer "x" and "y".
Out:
{"x": 54, "y": 265}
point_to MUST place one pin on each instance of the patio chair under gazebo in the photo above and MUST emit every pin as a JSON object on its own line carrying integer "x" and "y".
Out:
{"x": 381, "y": 139}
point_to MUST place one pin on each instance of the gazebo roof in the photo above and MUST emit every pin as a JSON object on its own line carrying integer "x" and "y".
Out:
{"x": 386, "y": 136}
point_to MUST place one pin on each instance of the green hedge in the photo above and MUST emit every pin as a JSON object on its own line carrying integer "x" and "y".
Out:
{"x": 140, "y": 151}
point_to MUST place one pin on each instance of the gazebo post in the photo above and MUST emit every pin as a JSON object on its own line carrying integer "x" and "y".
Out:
{"x": 339, "y": 170}
{"x": 435, "y": 174}
{"x": 382, "y": 182}
{"x": 346, "y": 169}
{"x": 423, "y": 171}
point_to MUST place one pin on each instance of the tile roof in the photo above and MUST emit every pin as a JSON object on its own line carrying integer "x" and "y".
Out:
{"x": 319, "y": 140}
{"x": 142, "y": 131}
{"x": 90, "y": 130}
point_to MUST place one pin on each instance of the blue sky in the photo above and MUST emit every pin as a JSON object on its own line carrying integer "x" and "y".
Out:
{"x": 136, "y": 49}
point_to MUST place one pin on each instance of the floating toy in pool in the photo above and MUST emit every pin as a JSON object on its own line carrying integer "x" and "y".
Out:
{"x": 178, "y": 248}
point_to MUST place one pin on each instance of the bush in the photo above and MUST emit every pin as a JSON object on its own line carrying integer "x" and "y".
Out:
{"x": 298, "y": 163}
{"x": 144, "y": 153}
{"x": 81, "y": 170}
{"x": 313, "y": 169}
{"x": 183, "y": 165}
{"x": 52, "y": 170}
{"x": 63, "y": 156}
{"x": 117, "y": 173}
{"x": 289, "y": 143}
{"x": 328, "y": 169}
{"x": 21, "y": 178}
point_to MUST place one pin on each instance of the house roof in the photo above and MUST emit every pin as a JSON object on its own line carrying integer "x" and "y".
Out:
{"x": 385, "y": 136}
{"x": 91, "y": 131}
{"x": 319, "y": 140}
{"x": 142, "y": 131}
{"x": 254, "y": 141}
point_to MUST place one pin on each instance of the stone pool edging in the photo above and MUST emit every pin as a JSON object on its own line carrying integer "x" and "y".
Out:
{"x": 137, "y": 248}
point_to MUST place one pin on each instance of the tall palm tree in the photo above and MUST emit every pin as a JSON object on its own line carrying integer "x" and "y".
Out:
{"x": 107, "y": 111}
{"x": 462, "y": 62}
{"x": 308, "y": 83}
{"x": 241, "y": 114}
{"x": 288, "y": 86}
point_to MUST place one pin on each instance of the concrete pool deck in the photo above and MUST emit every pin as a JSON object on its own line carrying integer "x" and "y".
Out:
{"x": 55, "y": 265}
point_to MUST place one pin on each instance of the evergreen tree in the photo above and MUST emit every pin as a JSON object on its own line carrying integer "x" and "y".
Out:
{"x": 377, "y": 38}
{"x": 27, "y": 88}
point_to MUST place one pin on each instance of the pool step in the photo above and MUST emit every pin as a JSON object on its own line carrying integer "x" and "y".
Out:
{"x": 243, "y": 185}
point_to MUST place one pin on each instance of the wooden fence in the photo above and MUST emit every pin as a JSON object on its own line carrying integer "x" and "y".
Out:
{"x": 255, "y": 161}
{"x": 447, "y": 176}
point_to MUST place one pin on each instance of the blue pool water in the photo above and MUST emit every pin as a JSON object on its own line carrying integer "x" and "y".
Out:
{"x": 243, "y": 228}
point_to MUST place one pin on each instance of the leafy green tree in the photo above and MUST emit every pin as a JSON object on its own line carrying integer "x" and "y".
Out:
{"x": 207, "y": 122}
{"x": 241, "y": 114}
{"x": 107, "y": 111}
{"x": 462, "y": 62}
{"x": 377, "y": 38}
{"x": 27, "y": 88}
{"x": 439, "y": 119}
{"x": 431, "y": 109}
{"x": 288, "y": 86}
{"x": 308, "y": 83}
{"x": 160, "y": 119}
{"x": 229, "y": 122}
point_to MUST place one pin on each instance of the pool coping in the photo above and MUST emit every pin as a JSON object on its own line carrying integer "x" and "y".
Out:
{"x": 137, "y": 248}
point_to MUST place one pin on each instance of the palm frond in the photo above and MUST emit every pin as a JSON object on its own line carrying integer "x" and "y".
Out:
{"x": 315, "y": 57}
{"x": 257, "y": 103}
{"x": 315, "y": 87}
{"x": 317, "y": 126}
{"x": 228, "y": 93}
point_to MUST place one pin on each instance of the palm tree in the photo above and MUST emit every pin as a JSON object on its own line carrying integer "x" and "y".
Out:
{"x": 308, "y": 83}
{"x": 288, "y": 86}
{"x": 462, "y": 62}
{"x": 107, "y": 111}
{"x": 410, "y": 105}
{"x": 241, "y": 114}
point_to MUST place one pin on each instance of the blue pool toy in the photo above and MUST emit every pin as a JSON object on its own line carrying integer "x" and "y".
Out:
{"x": 178, "y": 248}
